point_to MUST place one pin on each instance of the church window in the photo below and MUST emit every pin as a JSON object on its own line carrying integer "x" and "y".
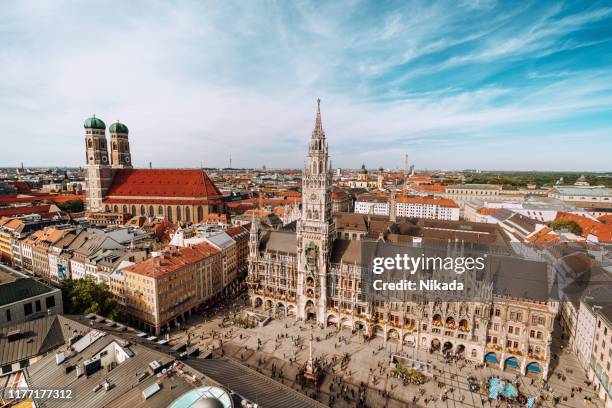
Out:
{"x": 187, "y": 214}
{"x": 142, "y": 210}
{"x": 89, "y": 143}
{"x": 179, "y": 215}
{"x": 125, "y": 209}
{"x": 133, "y": 210}
{"x": 169, "y": 214}
{"x": 114, "y": 145}
{"x": 151, "y": 213}
{"x": 160, "y": 210}
{"x": 115, "y": 209}
{"x": 200, "y": 214}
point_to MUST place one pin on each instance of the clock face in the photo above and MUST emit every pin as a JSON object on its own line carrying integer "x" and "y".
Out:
{"x": 313, "y": 197}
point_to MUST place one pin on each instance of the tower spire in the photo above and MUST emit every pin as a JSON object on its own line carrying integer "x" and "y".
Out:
{"x": 318, "y": 132}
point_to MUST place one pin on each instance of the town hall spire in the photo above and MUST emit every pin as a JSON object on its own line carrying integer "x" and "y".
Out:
{"x": 318, "y": 132}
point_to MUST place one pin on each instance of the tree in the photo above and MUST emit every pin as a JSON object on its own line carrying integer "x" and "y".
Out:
{"x": 84, "y": 296}
{"x": 565, "y": 225}
{"x": 72, "y": 206}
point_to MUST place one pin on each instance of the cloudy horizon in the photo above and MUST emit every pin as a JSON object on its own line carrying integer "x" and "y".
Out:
{"x": 472, "y": 84}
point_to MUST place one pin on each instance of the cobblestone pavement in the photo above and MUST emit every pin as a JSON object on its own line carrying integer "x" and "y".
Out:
{"x": 261, "y": 349}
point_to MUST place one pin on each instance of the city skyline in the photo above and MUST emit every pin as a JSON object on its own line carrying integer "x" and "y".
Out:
{"x": 461, "y": 88}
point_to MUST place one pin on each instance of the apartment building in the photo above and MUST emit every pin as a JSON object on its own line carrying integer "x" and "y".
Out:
{"x": 427, "y": 207}
{"x": 462, "y": 193}
{"x": 164, "y": 290}
{"x": 408, "y": 207}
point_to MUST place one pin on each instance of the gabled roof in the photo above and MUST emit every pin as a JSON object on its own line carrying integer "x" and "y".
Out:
{"x": 183, "y": 183}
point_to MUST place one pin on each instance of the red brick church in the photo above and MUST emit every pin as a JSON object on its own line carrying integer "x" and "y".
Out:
{"x": 185, "y": 195}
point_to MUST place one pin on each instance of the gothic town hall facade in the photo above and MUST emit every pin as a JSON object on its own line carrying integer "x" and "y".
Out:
{"x": 310, "y": 274}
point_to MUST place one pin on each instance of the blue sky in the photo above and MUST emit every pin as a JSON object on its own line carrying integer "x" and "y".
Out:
{"x": 460, "y": 84}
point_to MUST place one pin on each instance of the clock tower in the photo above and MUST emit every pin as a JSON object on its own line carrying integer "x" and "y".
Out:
{"x": 315, "y": 228}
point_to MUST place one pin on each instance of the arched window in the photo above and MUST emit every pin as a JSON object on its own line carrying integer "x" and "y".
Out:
{"x": 142, "y": 210}
{"x": 114, "y": 145}
{"x": 160, "y": 210}
{"x": 178, "y": 214}
{"x": 187, "y": 214}
{"x": 169, "y": 214}
{"x": 125, "y": 211}
{"x": 151, "y": 213}
{"x": 200, "y": 214}
{"x": 133, "y": 211}
{"x": 89, "y": 143}
{"x": 115, "y": 209}
{"x": 106, "y": 208}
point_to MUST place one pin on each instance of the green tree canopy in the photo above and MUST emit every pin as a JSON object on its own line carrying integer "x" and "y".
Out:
{"x": 84, "y": 296}
{"x": 72, "y": 206}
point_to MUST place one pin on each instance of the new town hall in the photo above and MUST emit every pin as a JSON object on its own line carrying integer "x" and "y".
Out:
{"x": 309, "y": 273}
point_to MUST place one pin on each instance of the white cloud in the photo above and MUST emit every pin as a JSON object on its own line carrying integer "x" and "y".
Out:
{"x": 196, "y": 81}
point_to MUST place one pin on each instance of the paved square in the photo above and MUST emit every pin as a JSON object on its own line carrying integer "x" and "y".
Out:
{"x": 281, "y": 347}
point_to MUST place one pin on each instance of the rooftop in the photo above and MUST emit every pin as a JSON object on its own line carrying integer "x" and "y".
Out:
{"x": 15, "y": 286}
{"x": 185, "y": 183}
{"x": 173, "y": 260}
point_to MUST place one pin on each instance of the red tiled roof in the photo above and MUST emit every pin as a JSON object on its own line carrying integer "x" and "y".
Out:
{"x": 15, "y": 211}
{"x": 173, "y": 260}
{"x": 21, "y": 186}
{"x": 339, "y": 195}
{"x": 602, "y": 231}
{"x": 162, "y": 183}
{"x": 30, "y": 198}
{"x": 606, "y": 219}
{"x": 544, "y": 236}
{"x": 160, "y": 201}
{"x": 435, "y": 188}
{"x": 237, "y": 230}
{"x": 64, "y": 197}
{"x": 442, "y": 202}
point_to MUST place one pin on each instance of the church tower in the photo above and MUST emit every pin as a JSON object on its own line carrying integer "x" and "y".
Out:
{"x": 315, "y": 229}
{"x": 98, "y": 172}
{"x": 120, "y": 146}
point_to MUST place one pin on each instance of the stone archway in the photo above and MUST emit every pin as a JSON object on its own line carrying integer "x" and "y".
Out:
{"x": 257, "y": 303}
{"x": 393, "y": 335}
{"x": 491, "y": 359}
{"x": 447, "y": 347}
{"x": 460, "y": 350}
{"x": 512, "y": 364}
{"x": 534, "y": 370}
{"x": 310, "y": 312}
{"x": 291, "y": 311}
{"x": 360, "y": 326}
{"x": 435, "y": 345}
{"x": 280, "y": 309}
{"x": 332, "y": 320}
